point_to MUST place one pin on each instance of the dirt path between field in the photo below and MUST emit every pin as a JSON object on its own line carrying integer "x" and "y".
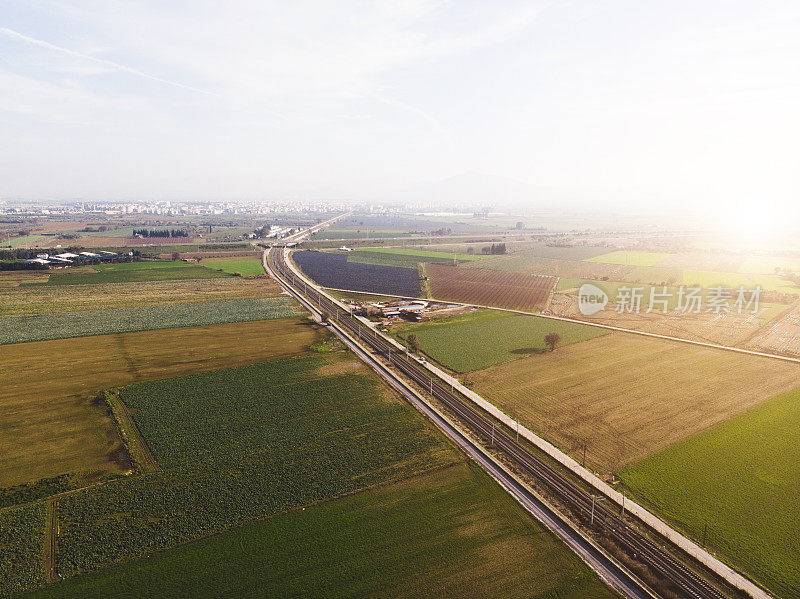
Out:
{"x": 130, "y": 433}
{"x": 50, "y": 551}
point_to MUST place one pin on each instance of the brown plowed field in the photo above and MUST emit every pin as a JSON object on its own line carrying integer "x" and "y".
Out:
{"x": 489, "y": 287}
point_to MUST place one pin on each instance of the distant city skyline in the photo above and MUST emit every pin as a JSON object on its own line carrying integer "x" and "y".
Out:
{"x": 660, "y": 104}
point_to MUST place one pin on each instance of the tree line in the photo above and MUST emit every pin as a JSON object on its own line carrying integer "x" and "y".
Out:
{"x": 157, "y": 233}
{"x": 495, "y": 248}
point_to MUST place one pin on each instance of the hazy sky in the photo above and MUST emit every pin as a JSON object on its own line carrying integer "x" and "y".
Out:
{"x": 672, "y": 102}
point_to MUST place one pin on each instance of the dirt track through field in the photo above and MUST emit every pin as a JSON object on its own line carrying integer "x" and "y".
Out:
{"x": 136, "y": 444}
{"x": 50, "y": 552}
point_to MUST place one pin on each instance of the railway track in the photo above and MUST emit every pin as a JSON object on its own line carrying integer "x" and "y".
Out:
{"x": 603, "y": 518}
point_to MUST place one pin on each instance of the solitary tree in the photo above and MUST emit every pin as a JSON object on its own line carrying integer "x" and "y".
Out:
{"x": 413, "y": 343}
{"x": 551, "y": 340}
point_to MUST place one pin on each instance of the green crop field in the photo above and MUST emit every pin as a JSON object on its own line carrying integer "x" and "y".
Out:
{"x": 392, "y": 259}
{"x": 487, "y": 337}
{"x": 631, "y": 258}
{"x": 41, "y": 327}
{"x": 24, "y": 240}
{"x": 453, "y": 532}
{"x": 240, "y": 444}
{"x": 21, "y": 542}
{"x": 424, "y": 253}
{"x": 737, "y": 484}
{"x": 708, "y": 279}
{"x": 245, "y": 266}
{"x": 125, "y": 272}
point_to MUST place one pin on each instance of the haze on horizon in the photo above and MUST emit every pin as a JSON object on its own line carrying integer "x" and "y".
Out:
{"x": 655, "y": 104}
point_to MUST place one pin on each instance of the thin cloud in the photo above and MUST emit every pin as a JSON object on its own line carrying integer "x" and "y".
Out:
{"x": 114, "y": 65}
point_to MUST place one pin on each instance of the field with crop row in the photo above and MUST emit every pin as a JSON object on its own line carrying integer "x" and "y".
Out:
{"x": 67, "y": 433}
{"x": 42, "y": 327}
{"x": 21, "y": 542}
{"x": 245, "y": 443}
{"x": 626, "y": 397}
{"x": 736, "y": 485}
{"x": 453, "y": 532}
{"x": 489, "y": 287}
{"x": 45, "y": 299}
{"x": 333, "y": 270}
{"x": 487, "y": 337}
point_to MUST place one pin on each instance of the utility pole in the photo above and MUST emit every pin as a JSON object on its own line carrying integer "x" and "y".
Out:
{"x": 591, "y": 519}
{"x": 492, "y": 444}
{"x": 622, "y": 511}
{"x": 517, "y": 429}
{"x": 584, "y": 455}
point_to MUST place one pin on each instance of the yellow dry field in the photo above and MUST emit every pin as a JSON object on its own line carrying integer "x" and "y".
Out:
{"x": 48, "y": 424}
{"x": 47, "y": 299}
{"x": 733, "y": 329}
{"x": 626, "y": 397}
{"x": 781, "y": 336}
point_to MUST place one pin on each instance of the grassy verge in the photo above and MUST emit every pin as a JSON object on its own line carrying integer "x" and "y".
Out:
{"x": 247, "y": 267}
